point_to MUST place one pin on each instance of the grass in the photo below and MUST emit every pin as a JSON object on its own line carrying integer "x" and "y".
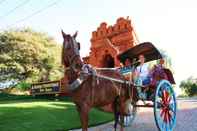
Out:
{"x": 6, "y": 97}
{"x": 28, "y": 114}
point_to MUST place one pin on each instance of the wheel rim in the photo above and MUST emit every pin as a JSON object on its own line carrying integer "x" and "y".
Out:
{"x": 165, "y": 106}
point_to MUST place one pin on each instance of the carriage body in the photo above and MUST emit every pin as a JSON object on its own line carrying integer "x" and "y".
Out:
{"x": 151, "y": 53}
{"x": 160, "y": 91}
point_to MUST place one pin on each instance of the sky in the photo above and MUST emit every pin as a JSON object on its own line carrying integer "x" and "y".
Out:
{"x": 170, "y": 25}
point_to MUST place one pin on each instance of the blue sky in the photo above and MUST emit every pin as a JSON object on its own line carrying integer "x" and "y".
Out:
{"x": 170, "y": 24}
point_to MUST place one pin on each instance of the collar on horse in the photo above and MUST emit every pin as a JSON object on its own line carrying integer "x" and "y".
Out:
{"x": 75, "y": 84}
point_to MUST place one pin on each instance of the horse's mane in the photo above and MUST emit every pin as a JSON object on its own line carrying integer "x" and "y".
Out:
{"x": 63, "y": 54}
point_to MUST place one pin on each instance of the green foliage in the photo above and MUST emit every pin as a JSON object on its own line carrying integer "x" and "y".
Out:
{"x": 167, "y": 58}
{"x": 23, "y": 86}
{"x": 189, "y": 86}
{"x": 29, "y": 56}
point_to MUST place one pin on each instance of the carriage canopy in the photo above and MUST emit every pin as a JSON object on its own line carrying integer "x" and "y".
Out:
{"x": 147, "y": 49}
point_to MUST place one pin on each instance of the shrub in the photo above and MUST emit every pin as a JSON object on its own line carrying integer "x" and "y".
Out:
{"x": 189, "y": 86}
{"x": 24, "y": 86}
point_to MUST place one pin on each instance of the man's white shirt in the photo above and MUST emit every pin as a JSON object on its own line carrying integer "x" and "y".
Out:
{"x": 143, "y": 71}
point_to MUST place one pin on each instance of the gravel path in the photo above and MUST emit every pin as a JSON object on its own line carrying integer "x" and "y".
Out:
{"x": 186, "y": 119}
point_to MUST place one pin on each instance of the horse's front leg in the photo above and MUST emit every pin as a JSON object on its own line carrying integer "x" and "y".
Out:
{"x": 83, "y": 112}
{"x": 122, "y": 115}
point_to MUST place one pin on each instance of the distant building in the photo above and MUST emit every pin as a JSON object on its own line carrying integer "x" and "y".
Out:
{"x": 194, "y": 80}
{"x": 108, "y": 41}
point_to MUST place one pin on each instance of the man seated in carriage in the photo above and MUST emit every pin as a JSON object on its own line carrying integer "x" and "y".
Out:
{"x": 141, "y": 76}
{"x": 146, "y": 77}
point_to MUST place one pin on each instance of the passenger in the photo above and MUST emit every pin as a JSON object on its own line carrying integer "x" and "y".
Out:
{"x": 141, "y": 77}
{"x": 161, "y": 64}
{"x": 142, "y": 72}
{"x": 128, "y": 62}
{"x": 158, "y": 73}
{"x": 126, "y": 70}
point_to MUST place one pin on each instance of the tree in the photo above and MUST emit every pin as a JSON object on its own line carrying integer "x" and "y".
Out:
{"x": 167, "y": 58}
{"x": 26, "y": 55}
{"x": 189, "y": 86}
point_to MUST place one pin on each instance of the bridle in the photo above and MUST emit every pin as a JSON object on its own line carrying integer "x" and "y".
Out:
{"x": 71, "y": 59}
{"x": 72, "y": 64}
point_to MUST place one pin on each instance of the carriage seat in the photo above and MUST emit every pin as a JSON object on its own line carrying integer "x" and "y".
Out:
{"x": 159, "y": 74}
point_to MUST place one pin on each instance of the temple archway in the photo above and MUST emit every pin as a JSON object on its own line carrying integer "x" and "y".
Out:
{"x": 108, "y": 61}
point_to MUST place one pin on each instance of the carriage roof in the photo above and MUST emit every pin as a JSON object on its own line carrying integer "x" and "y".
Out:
{"x": 147, "y": 49}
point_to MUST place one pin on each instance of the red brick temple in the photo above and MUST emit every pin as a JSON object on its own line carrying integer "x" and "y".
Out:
{"x": 108, "y": 41}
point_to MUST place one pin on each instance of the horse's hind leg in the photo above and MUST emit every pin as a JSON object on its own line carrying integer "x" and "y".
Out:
{"x": 83, "y": 112}
{"x": 116, "y": 112}
{"x": 116, "y": 117}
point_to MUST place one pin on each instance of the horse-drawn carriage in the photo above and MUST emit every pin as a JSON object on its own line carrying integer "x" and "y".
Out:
{"x": 159, "y": 92}
{"x": 108, "y": 86}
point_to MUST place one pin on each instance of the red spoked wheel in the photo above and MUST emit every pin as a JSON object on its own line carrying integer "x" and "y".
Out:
{"x": 165, "y": 106}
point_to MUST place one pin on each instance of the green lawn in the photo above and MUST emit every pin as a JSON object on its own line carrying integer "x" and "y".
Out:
{"x": 44, "y": 115}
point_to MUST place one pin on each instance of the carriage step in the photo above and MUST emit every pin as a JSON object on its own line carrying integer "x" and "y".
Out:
{"x": 145, "y": 105}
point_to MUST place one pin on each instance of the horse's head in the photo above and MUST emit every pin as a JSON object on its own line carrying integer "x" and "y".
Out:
{"x": 70, "y": 52}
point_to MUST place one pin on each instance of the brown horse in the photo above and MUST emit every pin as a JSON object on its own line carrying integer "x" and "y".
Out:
{"x": 94, "y": 91}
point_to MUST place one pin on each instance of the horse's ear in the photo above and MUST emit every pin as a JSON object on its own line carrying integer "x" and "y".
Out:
{"x": 63, "y": 34}
{"x": 75, "y": 35}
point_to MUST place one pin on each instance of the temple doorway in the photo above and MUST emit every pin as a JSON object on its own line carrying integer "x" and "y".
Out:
{"x": 108, "y": 61}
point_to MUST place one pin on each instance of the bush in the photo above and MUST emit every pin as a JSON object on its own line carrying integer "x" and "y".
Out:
{"x": 24, "y": 86}
{"x": 189, "y": 86}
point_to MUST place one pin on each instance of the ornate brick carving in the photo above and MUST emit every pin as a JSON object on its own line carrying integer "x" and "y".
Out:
{"x": 106, "y": 40}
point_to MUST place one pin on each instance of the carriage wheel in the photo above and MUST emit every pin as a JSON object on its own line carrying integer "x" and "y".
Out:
{"x": 165, "y": 106}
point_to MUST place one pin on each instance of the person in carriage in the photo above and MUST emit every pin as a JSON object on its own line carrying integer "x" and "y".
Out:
{"x": 141, "y": 76}
{"x": 158, "y": 72}
{"x": 142, "y": 72}
{"x": 144, "y": 76}
{"x": 126, "y": 69}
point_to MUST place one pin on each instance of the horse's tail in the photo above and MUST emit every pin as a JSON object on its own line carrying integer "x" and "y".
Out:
{"x": 116, "y": 107}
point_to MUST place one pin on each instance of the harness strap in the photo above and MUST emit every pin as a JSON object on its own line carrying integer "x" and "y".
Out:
{"x": 75, "y": 84}
{"x": 71, "y": 62}
{"x": 113, "y": 79}
{"x": 72, "y": 59}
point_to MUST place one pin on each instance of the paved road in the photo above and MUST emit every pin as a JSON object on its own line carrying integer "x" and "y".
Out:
{"x": 186, "y": 119}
